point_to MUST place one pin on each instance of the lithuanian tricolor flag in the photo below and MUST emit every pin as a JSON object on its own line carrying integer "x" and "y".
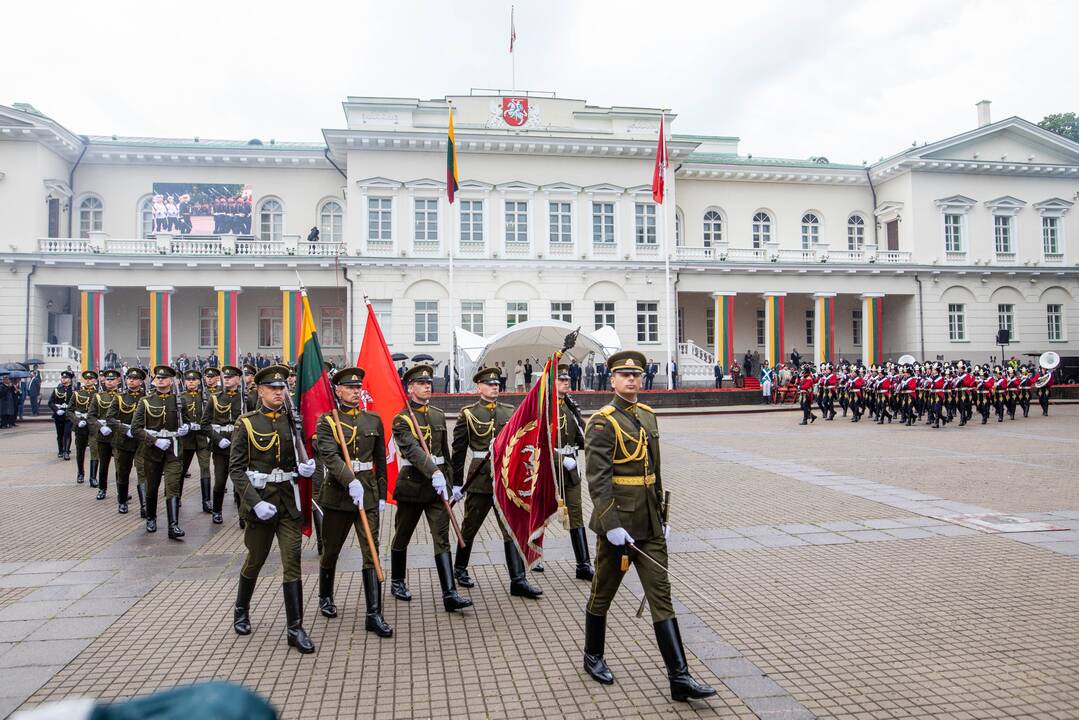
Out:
{"x": 313, "y": 396}
{"x": 451, "y": 162}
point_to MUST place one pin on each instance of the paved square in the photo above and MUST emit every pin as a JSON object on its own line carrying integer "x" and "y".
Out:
{"x": 816, "y": 575}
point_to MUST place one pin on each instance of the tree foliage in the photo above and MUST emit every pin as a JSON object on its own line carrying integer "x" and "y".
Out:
{"x": 1063, "y": 124}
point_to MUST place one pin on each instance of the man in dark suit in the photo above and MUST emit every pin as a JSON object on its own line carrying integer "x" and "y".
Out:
{"x": 718, "y": 370}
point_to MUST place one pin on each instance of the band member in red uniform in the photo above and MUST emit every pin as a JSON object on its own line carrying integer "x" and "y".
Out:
{"x": 855, "y": 392}
{"x": 1026, "y": 383}
{"x": 999, "y": 391}
{"x": 1045, "y": 378}
{"x": 884, "y": 399}
{"x": 984, "y": 391}
{"x": 965, "y": 386}
{"x": 805, "y": 396}
{"x": 829, "y": 387}
{"x": 1012, "y": 394}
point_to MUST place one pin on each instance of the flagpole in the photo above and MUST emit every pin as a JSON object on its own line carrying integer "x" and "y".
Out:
{"x": 513, "y": 57}
{"x": 450, "y": 242}
{"x": 667, "y": 267}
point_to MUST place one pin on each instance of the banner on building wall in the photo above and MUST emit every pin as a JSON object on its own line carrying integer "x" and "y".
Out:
{"x": 160, "y": 328}
{"x": 201, "y": 208}
{"x": 92, "y": 329}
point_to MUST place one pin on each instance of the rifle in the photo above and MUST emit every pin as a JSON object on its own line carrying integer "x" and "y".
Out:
{"x": 664, "y": 514}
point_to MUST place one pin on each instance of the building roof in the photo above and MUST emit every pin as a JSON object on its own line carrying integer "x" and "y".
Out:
{"x": 756, "y": 160}
{"x": 704, "y": 138}
{"x": 202, "y": 143}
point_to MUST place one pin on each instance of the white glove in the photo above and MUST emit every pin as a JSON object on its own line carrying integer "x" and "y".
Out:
{"x": 569, "y": 463}
{"x": 183, "y": 430}
{"x": 355, "y": 491}
{"x": 195, "y": 427}
{"x": 224, "y": 443}
{"x": 618, "y": 536}
{"x": 129, "y": 433}
{"x": 59, "y": 412}
{"x": 106, "y": 430}
{"x": 306, "y": 469}
{"x": 264, "y": 510}
{"x": 82, "y": 423}
{"x": 457, "y": 494}
{"x": 438, "y": 482}
{"x": 163, "y": 443}
{"x": 666, "y": 531}
{"x": 381, "y": 506}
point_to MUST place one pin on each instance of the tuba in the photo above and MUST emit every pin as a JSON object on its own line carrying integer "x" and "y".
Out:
{"x": 907, "y": 360}
{"x": 1049, "y": 362}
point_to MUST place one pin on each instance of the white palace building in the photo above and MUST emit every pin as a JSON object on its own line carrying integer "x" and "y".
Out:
{"x": 928, "y": 251}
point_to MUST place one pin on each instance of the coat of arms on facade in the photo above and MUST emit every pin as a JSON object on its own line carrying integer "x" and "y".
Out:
{"x": 514, "y": 112}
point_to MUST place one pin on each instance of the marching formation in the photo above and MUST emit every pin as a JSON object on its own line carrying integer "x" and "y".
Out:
{"x": 909, "y": 391}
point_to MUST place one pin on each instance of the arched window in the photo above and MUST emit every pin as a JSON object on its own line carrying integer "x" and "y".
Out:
{"x": 713, "y": 228}
{"x": 91, "y": 215}
{"x": 271, "y": 220}
{"x": 855, "y": 233}
{"x": 810, "y": 230}
{"x": 331, "y": 222}
{"x": 146, "y": 217}
{"x": 762, "y": 229}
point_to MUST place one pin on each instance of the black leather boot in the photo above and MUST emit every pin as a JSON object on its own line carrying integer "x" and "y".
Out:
{"x": 151, "y": 510}
{"x": 219, "y": 500}
{"x": 460, "y": 567}
{"x": 450, "y": 599}
{"x": 325, "y": 592}
{"x": 121, "y": 498}
{"x": 683, "y": 685}
{"x": 398, "y": 565}
{"x": 93, "y": 473}
{"x": 297, "y": 636}
{"x": 141, "y": 490}
{"x": 316, "y": 521}
{"x": 515, "y": 564}
{"x": 204, "y": 484}
{"x": 372, "y": 593}
{"x": 579, "y": 540}
{"x": 241, "y": 621}
{"x": 595, "y": 635}
{"x": 239, "y": 517}
{"x": 172, "y": 511}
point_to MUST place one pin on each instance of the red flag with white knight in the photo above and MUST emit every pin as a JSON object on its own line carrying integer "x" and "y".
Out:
{"x": 382, "y": 391}
{"x": 524, "y": 466}
{"x": 659, "y": 172}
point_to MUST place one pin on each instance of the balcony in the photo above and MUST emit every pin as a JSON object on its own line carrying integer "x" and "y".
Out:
{"x": 817, "y": 255}
{"x": 1054, "y": 258}
{"x": 517, "y": 249}
{"x": 895, "y": 257}
{"x": 191, "y": 246}
{"x": 561, "y": 249}
{"x": 604, "y": 249}
{"x": 956, "y": 257}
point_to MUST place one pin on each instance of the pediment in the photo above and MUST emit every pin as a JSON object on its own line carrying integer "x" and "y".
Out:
{"x": 560, "y": 187}
{"x": 955, "y": 202}
{"x": 378, "y": 182}
{"x": 1013, "y": 140}
{"x": 425, "y": 183}
{"x": 1005, "y": 202}
{"x": 604, "y": 188}
{"x": 517, "y": 185}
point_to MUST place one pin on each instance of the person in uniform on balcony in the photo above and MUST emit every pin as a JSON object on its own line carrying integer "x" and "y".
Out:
{"x": 159, "y": 424}
{"x": 626, "y": 484}
{"x": 476, "y": 428}
{"x": 421, "y": 486}
{"x": 125, "y": 445}
{"x": 60, "y": 402}
{"x": 263, "y": 465}
{"x": 220, "y": 414}
{"x": 348, "y": 490}
{"x": 84, "y": 396}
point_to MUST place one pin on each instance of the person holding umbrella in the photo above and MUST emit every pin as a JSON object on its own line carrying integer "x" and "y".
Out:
{"x": 7, "y": 402}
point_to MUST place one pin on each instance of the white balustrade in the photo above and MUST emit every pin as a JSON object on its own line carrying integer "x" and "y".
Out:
{"x": 129, "y": 246}
{"x": 210, "y": 245}
{"x": 799, "y": 256}
{"x": 747, "y": 254}
{"x": 895, "y": 257}
{"x": 846, "y": 256}
{"x": 255, "y": 246}
{"x": 1054, "y": 258}
{"x": 64, "y": 245}
{"x": 322, "y": 249}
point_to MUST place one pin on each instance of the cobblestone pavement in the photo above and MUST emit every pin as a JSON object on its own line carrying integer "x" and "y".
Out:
{"x": 819, "y": 572}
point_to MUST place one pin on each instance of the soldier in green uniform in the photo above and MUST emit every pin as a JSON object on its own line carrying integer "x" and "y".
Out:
{"x": 264, "y": 466}
{"x": 80, "y": 407}
{"x": 626, "y": 484}
{"x": 570, "y": 443}
{"x": 97, "y": 421}
{"x": 159, "y": 424}
{"x": 125, "y": 445}
{"x": 211, "y": 378}
{"x": 421, "y": 487}
{"x": 476, "y": 427}
{"x": 251, "y": 396}
{"x": 195, "y": 444}
{"x": 222, "y": 410}
{"x": 347, "y": 488}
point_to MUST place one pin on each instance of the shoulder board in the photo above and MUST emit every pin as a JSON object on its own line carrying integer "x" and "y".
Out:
{"x": 646, "y": 407}
{"x": 507, "y": 405}
{"x": 372, "y": 414}
{"x": 432, "y": 410}
{"x": 605, "y": 411}
{"x": 251, "y": 414}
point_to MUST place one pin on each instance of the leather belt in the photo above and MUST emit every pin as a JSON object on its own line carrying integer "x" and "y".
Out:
{"x": 480, "y": 454}
{"x": 260, "y": 480}
{"x": 360, "y": 466}
{"x": 567, "y": 450}
{"x": 439, "y": 460}
{"x": 634, "y": 479}
{"x": 223, "y": 428}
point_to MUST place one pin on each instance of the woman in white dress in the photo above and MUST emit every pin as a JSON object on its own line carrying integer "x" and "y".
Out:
{"x": 519, "y": 377}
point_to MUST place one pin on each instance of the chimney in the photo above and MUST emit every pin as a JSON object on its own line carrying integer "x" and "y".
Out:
{"x": 983, "y": 113}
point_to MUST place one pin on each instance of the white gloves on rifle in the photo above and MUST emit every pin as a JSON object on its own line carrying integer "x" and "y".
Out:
{"x": 82, "y": 423}
{"x": 618, "y": 536}
{"x": 438, "y": 482}
{"x": 457, "y": 494}
{"x": 569, "y": 463}
{"x": 382, "y": 506}
{"x": 264, "y": 510}
{"x": 183, "y": 430}
{"x": 106, "y": 430}
{"x": 224, "y": 443}
{"x": 195, "y": 427}
{"x": 355, "y": 491}
{"x": 666, "y": 531}
{"x": 163, "y": 443}
{"x": 306, "y": 469}
{"x": 129, "y": 433}
{"x": 59, "y": 412}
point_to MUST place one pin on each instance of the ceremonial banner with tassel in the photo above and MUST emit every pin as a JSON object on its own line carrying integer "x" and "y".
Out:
{"x": 312, "y": 396}
{"x": 92, "y": 335}
{"x": 524, "y": 466}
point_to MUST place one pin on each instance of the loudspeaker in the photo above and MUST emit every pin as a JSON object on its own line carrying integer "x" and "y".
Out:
{"x": 1004, "y": 336}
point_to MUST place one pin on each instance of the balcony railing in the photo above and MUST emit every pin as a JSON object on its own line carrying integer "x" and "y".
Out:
{"x": 897, "y": 257}
{"x": 604, "y": 249}
{"x": 254, "y": 246}
{"x": 1054, "y": 258}
{"x": 196, "y": 246}
{"x": 798, "y": 256}
{"x": 121, "y": 246}
{"x": 517, "y": 249}
{"x": 64, "y": 245}
{"x": 322, "y": 249}
{"x": 846, "y": 256}
{"x": 747, "y": 254}
{"x": 955, "y": 257}
{"x": 561, "y": 249}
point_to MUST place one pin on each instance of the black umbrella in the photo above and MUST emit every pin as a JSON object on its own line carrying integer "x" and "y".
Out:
{"x": 14, "y": 366}
{"x": 4, "y": 372}
{"x": 398, "y": 357}
{"x": 18, "y": 374}
{"x": 34, "y": 361}
{"x": 422, "y": 357}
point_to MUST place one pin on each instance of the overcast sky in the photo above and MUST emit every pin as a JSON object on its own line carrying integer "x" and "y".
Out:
{"x": 851, "y": 81}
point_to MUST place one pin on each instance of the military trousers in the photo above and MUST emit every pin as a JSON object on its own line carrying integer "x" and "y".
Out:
{"x": 335, "y": 528}
{"x": 258, "y": 538}
{"x": 654, "y": 580}
{"x": 574, "y": 506}
{"x": 169, "y": 470}
{"x": 63, "y": 434}
{"x": 221, "y": 470}
{"x": 104, "y": 457}
{"x": 126, "y": 460}
{"x": 408, "y": 516}
{"x": 82, "y": 440}
{"x": 477, "y": 505}
{"x": 203, "y": 454}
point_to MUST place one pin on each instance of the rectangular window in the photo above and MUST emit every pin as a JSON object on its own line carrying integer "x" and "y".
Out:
{"x": 1002, "y": 233}
{"x": 270, "y": 327}
{"x": 471, "y": 221}
{"x": 426, "y": 220}
{"x": 856, "y": 327}
{"x": 427, "y": 321}
{"x": 710, "y": 326}
{"x": 1006, "y": 318}
{"x": 384, "y": 314}
{"x": 561, "y": 222}
{"x": 562, "y": 311}
{"x": 516, "y": 313}
{"x": 144, "y": 328}
{"x": 602, "y": 222}
{"x": 516, "y": 221}
{"x": 331, "y": 326}
{"x": 681, "y": 325}
{"x": 760, "y": 327}
{"x": 1054, "y": 314}
{"x": 1051, "y": 235}
{"x": 645, "y": 223}
{"x": 647, "y": 322}
{"x": 953, "y": 233}
{"x": 604, "y": 314}
{"x": 208, "y": 327}
{"x": 380, "y": 219}
{"x": 957, "y": 322}
{"x": 810, "y": 318}
{"x": 472, "y": 316}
